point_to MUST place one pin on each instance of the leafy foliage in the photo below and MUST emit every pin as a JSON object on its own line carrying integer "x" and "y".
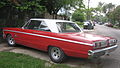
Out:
{"x": 102, "y": 13}
{"x": 30, "y": 5}
{"x": 2, "y": 4}
{"x": 108, "y": 8}
{"x": 114, "y": 16}
{"x": 53, "y": 6}
{"x": 15, "y": 12}
{"x": 78, "y": 15}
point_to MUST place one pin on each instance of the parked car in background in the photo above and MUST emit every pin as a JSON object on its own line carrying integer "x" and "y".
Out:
{"x": 105, "y": 24}
{"x": 60, "y": 39}
{"x": 100, "y": 23}
{"x": 94, "y": 23}
{"x": 85, "y": 25}
{"x": 109, "y": 24}
{"x": 88, "y": 25}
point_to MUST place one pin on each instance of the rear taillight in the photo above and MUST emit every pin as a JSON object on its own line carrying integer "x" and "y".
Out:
{"x": 112, "y": 42}
{"x": 99, "y": 44}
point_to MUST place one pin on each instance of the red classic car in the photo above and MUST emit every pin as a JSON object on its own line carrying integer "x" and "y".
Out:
{"x": 60, "y": 39}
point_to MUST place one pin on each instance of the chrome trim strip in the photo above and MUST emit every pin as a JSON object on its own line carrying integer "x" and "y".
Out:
{"x": 108, "y": 48}
{"x": 51, "y": 37}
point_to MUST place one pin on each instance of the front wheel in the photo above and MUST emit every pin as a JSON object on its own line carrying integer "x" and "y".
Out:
{"x": 56, "y": 54}
{"x": 10, "y": 40}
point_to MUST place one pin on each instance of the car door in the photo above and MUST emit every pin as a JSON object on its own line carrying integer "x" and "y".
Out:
{"x": 26, "y": 36}
{"x": 33, "y": 34}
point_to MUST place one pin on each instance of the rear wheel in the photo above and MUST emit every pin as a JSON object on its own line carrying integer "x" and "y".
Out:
{"x": 56, "y": 54}
{"x": 10, "y": 40}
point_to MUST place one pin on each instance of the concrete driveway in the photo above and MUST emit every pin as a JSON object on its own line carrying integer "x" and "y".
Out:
{"x": 112, "y": 61}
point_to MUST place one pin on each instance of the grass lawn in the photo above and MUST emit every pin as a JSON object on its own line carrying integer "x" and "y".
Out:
{"x": 16, "y": 60}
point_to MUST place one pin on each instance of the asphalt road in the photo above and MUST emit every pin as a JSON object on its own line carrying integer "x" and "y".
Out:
{"x": 112, "y": 61}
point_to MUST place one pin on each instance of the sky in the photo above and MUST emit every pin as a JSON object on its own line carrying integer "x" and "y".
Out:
{"x": 94, "y": 3}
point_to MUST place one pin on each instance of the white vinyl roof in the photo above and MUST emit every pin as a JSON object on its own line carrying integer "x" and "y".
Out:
{"x": 51, "y": 23}
{"x": 52, "y": 20}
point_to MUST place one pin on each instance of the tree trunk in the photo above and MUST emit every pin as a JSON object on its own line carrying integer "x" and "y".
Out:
{"x": 55, "y": 16}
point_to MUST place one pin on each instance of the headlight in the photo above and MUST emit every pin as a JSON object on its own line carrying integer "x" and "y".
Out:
{"x": 112, "y": 42}
{"x": 100, "y": 44}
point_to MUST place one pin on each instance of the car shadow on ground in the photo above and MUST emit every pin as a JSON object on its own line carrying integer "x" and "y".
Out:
{"x": 71, "y": 61}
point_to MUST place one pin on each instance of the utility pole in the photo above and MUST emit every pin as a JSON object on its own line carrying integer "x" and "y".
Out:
{"x": 88, "y": 16}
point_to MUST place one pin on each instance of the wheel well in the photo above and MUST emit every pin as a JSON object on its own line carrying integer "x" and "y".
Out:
{"x": 7, "y": 34}
{"x": 49, "y": 47}
{"x": 53, "y": 46}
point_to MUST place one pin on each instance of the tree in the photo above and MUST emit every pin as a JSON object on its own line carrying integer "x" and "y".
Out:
{"x": 94, "y": 11}
{"x": 102, "y": 11}
{"x": 116, "y": 14}
{"x": 53, "y": 6}
{"x": 108, "y": 8}
{"x": 78, "y": 15}
{"x": 16, "y": 11}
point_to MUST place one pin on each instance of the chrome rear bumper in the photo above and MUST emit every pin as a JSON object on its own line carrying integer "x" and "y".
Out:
{"x": 101, "y": 52}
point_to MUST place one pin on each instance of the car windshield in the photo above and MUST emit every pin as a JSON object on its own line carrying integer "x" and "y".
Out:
{"x": 66, "y": 27}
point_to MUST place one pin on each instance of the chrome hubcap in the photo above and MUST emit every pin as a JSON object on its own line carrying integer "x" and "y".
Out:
{"x": 56, "y": 53}
{"x": 11, "y": 40}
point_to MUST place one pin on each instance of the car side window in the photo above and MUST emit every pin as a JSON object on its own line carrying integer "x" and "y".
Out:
{"x": 44, "y": 27}
{"x": 33, "y": 25}
{"x": 37, "y": 25}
